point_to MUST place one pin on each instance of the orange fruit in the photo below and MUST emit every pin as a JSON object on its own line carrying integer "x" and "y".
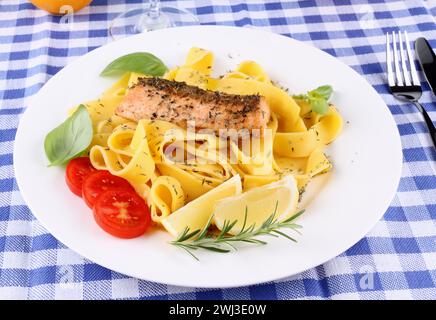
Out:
{"x": 54, "y": 6}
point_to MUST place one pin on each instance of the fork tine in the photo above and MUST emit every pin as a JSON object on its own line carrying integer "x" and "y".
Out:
{"x": 391, "y": 80}
{"x": 396, "y": 61}
{"x": 415, "y": 78}
{"x": 406, "y": 74}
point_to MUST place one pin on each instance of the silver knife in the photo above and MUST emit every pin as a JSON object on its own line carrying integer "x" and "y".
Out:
{"x": 427, "y": 60}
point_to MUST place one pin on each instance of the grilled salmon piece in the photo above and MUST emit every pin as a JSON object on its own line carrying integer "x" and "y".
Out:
{"x": 177, "y": 102}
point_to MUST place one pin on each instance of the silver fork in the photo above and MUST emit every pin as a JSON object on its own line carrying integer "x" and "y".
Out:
{"x": 405, "y": 84}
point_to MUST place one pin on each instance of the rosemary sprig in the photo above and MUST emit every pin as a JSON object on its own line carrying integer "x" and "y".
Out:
{"x": 223, "y": 242}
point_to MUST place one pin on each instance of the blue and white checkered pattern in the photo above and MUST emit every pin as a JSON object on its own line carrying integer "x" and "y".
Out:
{"x": 397, "y": 259}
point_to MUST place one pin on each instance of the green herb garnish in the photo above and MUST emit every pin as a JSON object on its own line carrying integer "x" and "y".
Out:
{"x": 317, "y": 98}
{"x": 223, "y": 242}
{"x": 69, "y": 139}
{"x": 140, "y": 62}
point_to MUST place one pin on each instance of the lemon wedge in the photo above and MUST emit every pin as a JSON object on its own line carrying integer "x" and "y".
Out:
{"x": 196, "y": 214}
{"x": 260, "y": 202}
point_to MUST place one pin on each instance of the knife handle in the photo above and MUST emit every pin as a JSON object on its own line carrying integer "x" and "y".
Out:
{"x": 428, "y": 121}
{"x": 427, "y": 60}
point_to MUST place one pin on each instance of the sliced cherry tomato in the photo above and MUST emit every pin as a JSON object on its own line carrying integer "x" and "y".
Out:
{"x": 77, "y": 171}
{"x": 98, "y": 182}
{"x": 122, "y": 213}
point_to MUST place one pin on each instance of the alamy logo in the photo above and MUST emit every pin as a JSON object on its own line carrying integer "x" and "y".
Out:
{"x": 203, "y": 147}
{"x": 366, "y": 280}
{"x": 66, "y": 276}
{"x": 366, "y": 17}
{"x": 67, "y": 13}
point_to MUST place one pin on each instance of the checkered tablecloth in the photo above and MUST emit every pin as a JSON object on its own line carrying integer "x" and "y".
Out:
{"x": 397, "y": 259}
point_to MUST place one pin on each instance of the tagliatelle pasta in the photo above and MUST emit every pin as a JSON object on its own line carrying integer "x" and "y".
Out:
{"x": 139, "y": 151}
{"x": 168, "y": 196}
{"x": 127, "y": 155}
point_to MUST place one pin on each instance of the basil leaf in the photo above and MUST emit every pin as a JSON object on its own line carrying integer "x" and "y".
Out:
{"x": 324, "y": 91}
{"x": 140, "y": 62}
{"x": 317, "y": 98}
{"x": 70, "y": 139}
{"x": 318, "y": 103}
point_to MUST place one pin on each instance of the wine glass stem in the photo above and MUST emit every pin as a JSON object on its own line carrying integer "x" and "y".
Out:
{"x": 154, "y": 10}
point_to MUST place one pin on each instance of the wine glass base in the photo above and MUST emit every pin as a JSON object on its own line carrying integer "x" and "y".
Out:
{"x": 140, "y": 20}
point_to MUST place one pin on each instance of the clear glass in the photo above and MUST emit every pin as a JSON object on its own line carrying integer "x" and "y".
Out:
{"x": 148, "y": 18}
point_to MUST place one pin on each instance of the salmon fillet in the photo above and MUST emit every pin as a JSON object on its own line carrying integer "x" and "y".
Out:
{"x": 177, "y": 102}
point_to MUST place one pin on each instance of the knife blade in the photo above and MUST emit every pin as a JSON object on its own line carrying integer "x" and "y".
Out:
{"x": 427, "y": 60}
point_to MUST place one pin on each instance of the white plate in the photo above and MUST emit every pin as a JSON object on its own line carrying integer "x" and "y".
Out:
{"x": 341, "y": 207}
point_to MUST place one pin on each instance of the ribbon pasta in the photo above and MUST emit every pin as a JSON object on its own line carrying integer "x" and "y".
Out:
{"x": 145, "y": 153}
